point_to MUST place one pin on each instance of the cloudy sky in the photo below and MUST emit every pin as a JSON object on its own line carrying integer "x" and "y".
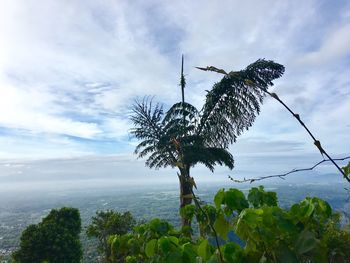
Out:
{"x": 69, "y": 71}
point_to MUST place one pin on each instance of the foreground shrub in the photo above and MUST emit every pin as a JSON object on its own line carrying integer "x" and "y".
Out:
{"x": 106, "y": 223}
{"x": 253, "y": 229}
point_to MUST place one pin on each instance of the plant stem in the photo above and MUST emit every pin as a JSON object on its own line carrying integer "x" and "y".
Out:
{"x": 316, "y": 142}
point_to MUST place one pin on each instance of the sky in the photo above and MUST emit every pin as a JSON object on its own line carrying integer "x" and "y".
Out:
{"x": 70, "y": 71}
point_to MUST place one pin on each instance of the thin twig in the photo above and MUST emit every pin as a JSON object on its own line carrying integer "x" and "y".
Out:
{"x": 316, "y": 142}
{"x": 281, "y": 176}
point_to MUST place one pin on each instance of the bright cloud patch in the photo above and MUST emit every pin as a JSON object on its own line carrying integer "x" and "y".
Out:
{"x": 69, "y": 71}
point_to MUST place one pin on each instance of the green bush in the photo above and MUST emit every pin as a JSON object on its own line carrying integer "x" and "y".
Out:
{"x": 106, "y": 223}
{"x": 307, "y": 232}
{"x": 54, "y": 240}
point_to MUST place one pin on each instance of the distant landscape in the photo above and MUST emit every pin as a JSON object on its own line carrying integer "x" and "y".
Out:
{"x": 20, "y": 208}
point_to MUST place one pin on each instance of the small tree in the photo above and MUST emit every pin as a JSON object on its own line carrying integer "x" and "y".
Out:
{"x": 185, "y": 136}
{"x": 106, "y": 223}
{"x": 55, "y": 239}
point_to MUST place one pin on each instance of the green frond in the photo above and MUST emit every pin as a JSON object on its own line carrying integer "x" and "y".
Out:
{"x": 209, "y": 156}
{"x": 233, "y": 104}
{"x": 180, "y": 110}
{"x": 147, "y": 119}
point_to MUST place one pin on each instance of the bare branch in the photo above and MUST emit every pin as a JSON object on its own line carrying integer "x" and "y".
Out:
{"x": 281, "y": 176}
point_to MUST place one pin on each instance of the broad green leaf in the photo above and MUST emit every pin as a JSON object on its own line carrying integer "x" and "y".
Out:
{"x": 247, "y": 222}
{"x": 174, "y": 257}
{"x": 204, "y": 250}
{"x": 189, "y": 254}
{"x": 253, "y": 216}
{"x": 151, "y": 248}
{"x": 255, "y": 197}
{"x": 161, "y": 227}
{"x": 309, "y": 208}
{"x": 165, "y": 244}
{"x": 346, "y": 170}
{"x": 285, "y": 254}
{"x": 213, "y": 259}
{"x": 174, "y": 240}
{"x": 188, "y": 211}
{"x": 322, "y": 207}
{"x": 263, "y": 259}
{"x": 232, "y": 252}
{"x": 270, "y": 199}
{"x": 219, "y": 198}
{"x": 235, "y": 200}
{"x": 305, "y": 242}
{"x": 222, "y": 226}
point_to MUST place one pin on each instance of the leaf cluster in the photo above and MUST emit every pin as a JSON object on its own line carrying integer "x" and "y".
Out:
{"x": 250, "y": 229}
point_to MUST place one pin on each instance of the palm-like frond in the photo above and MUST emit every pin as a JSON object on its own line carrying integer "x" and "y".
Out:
{"x": 234, "y": 102}
{"x": 203, "y": 137}
{"x": 209, "y": 156}
{"x": 180, "y": 120}
{"x": 180, "y": 110}
{"x": 146, "y": 119}
{"x": 148, "y": 127}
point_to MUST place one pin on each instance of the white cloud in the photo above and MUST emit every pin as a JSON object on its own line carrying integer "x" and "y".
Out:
{"x": 34, "y": 111}
{"x": 74, "y": 67}
{"x": 335, "y": 45}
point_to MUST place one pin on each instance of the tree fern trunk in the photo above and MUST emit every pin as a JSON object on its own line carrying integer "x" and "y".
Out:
{"x": 185, "y": 192}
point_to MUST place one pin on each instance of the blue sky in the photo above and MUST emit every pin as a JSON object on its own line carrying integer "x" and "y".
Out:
{"x": 69, "y": 71}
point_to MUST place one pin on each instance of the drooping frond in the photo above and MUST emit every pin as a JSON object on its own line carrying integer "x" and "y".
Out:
{"x": 209, "y": 156}
{"x": 148, "y": 127}
{"x": 180, "y": 120}
{"x": 234, "y": 102}
{"x": 179, "y": 110}
{"x": 146, "y": 119}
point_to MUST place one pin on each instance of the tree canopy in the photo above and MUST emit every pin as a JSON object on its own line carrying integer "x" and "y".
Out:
{"x": 54, "y": 240}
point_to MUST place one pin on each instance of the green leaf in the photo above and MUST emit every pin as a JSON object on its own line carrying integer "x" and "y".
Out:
{"x": 285, "y": 254}
{"x": 204, "y": 250}
{"x": 174, "y": 240}
{"x": 161, "y": 227}
{"x": 222, "y": 226}
{"x": 189, "y": 254}
{"x": 174, "y": 257}
{"x": 232, "y": 252}
{"x": 164, "y": 244}
{"x": 235, "y": 200}
{"x": 322, "y": 207}
{"x": 305, "y": 242}
{"x": 304, "y": 210}
{"x": 151, "y": 248}
{"x": 346, "y": 169}
{"x": 219, "y": 198}
{"x": 263, "y": 259}
{"x": 247, "y": 222}
{"x": 187, "y": 211}
{"x": 213, "y": 259}
{"x": 258, "y": 197}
